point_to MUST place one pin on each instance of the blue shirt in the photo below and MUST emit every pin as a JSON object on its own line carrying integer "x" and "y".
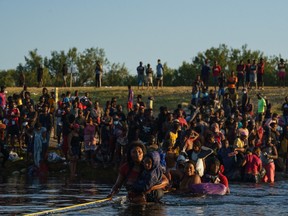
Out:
{"x": 159, "y": 70}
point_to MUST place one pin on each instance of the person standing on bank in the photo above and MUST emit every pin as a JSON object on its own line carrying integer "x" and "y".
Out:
{"x": 260, "y": 73}
{"x": 140, "y": 72}
{"x": 240, "y": 74}
{"x": 281, "y": 72}
{"x": 40, "y": 75}
{"x": 149, "y": 75}
{"x": 65, "y": 74}
{"x": 98, "y": 73}
{"x": 159, "y": 74}
{"x": 205, "y": 72}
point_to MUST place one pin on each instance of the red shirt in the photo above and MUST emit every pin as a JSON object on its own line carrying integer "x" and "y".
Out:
{"x": 223, "y": 179}
{"x": 183, "y": 122}
{"x": 131, "y": 174}
{"x": 12, "y": 116}
{"x": 240, "y": 68}
{"x": 260, "y": 68}
{"x": 253, "y": 164}
{"x": 2, "y": 99}
{"x": 216, "y": 70}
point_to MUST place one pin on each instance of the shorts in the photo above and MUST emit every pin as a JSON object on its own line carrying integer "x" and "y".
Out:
{"x": 129, "y": 105}
{"x": 253, "y": 77}
{"x": 13, "y": 130}
{"x": 140, "y": 79}
{"x": 159, "y": 77}
{"x": 281, "y": 74}
{"x": 149, "y": 79}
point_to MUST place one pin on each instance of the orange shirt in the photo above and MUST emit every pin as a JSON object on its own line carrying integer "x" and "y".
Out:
{"x": 232, "y": 80}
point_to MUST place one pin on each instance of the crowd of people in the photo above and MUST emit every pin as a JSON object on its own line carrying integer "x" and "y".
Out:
{"x": 220, "y": 138}
{"x": 248, "y": 73}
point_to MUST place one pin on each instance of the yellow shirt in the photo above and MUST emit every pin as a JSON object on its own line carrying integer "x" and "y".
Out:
{"x": 173, "y": 137}
{"x": 238, "y": 143}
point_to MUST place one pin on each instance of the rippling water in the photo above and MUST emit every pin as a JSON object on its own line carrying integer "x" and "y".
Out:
{"x": 21, "y": 195}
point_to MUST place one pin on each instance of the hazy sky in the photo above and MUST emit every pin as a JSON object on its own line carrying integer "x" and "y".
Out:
{"x": 134, "y": 30}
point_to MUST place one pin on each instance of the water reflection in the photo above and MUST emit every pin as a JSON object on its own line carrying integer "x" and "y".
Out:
{"x": 19, "y": 195}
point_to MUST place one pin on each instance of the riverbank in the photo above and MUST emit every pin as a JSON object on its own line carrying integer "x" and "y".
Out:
{"x": 166, "y": 96}
{"x": 86, "y": 171}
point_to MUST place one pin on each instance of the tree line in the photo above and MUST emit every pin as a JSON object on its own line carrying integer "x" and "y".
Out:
{"x": 116, "y": 74}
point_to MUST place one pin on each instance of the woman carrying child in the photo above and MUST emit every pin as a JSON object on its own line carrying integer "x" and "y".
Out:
{"x": 129, "y": 174}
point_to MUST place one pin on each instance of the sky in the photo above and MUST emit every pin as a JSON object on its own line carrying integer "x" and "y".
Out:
{"x": 140, "y": 30}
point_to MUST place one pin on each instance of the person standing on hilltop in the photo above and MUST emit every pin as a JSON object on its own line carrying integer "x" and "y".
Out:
{"x": 260, "y": 73}
{"x": 140, "y": 72}
{"x": 98, "y": 73}
{"x": 253, "y": 74}
{"x": 65, "y": 74}
{"x": 40, "y": 72}
{"x": 149, "y": 75}
{"x": 240, "y": 74}
{"x": 159, "y": 73}
{"x": 205, "y": 72}
{"x": 247, "y": 72}
{"x": 216, "y": 70}
{"x": 281, "y": 72}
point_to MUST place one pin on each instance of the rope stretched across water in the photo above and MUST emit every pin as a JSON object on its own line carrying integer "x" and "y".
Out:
{"x": 68, "y": 208}
{"x": 78, "y": 206}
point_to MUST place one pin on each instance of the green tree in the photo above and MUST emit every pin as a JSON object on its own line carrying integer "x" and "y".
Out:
{"x": 33, "y": 60}
{"x": 86, "y": 64}
{"x": 20, "y": 75}
{"x": 7, "y": 78}
{"x": 117, "y": 75}
{"x": 185, "y": 74}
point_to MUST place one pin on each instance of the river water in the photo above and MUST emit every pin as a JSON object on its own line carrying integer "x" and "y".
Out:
{"x": 21, "y": 195}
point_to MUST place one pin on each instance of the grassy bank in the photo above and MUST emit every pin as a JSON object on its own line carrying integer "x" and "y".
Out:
{"x": 167, "y": 96}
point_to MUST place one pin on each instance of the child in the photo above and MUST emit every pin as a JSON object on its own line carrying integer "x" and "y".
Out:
{"x": 213, "y": 173}
{"x": 130, "y": 99}
{"x": 151, "y": 176}
{"x": 253, "y": 166}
